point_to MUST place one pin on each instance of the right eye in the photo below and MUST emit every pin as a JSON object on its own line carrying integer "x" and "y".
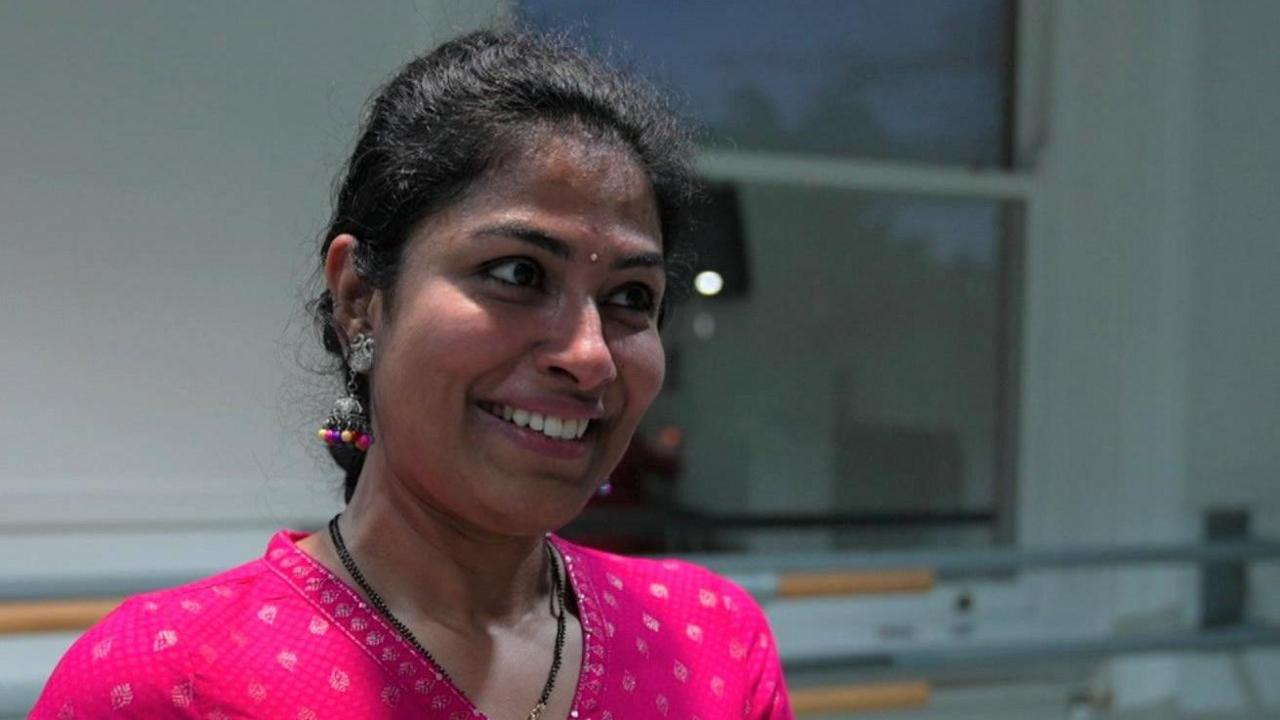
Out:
{"x": 520, "y": 272}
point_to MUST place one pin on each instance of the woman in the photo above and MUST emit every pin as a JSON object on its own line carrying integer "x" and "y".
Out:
{"x": 496, "y": 267}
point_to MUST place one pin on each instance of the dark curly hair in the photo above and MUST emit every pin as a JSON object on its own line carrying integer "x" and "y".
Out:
{"x": 448, "y": 116}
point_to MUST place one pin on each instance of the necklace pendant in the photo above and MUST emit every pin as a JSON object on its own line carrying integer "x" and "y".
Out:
{"x": 536, "y": 712}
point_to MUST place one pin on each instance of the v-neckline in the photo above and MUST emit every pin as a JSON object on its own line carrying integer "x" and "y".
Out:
{"x": 343, "y": 607}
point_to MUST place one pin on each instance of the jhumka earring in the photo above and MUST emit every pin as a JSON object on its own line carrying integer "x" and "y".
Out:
{"x": 348, "y": 424}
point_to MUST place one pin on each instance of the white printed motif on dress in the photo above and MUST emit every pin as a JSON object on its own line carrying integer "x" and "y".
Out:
{"x": 318, "y": 625}
{"x": 287, "y": 660}
{"x": 339, "y": 680}
{"x": 102, "y": 649}
{"x": 267, "y": 614}
{"x": 257, "y": 691}
{"x": 121, "y": 695}
{"x": 165, "y": 639}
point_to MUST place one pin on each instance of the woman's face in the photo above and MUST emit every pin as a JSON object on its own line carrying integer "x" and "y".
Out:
{"x": 531, "y": 302}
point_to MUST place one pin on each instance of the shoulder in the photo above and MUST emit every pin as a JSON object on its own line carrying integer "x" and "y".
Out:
{"x": 140, "y": 659}
{"x": 677, "y": 590}
{"x": 682, "y": 630}
{"x": 658, "y": 577}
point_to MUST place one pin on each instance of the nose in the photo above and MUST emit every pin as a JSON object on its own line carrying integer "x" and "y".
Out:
{"x": 576, "y": 348}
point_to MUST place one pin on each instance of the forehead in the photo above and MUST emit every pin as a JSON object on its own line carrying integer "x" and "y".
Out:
{"x": 572, "y": 178}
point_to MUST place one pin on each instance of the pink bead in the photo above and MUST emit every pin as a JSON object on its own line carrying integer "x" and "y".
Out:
{"x": 333, "y": 437}
{"x": 363, "y": 441}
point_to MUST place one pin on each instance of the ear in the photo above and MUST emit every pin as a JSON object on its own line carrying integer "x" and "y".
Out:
{"x": 356, "y": 304}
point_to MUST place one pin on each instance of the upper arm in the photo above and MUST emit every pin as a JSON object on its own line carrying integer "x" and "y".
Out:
{"x": 132, "y": 664}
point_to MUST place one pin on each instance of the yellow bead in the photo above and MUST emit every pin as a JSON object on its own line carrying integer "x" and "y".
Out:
{"x": 321, "y": 434}
{"x": 347, "y": 436}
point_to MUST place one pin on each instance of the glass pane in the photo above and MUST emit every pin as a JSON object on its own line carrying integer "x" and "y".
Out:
{"x": 921, "y": 80}
{"x": 849, "y": 384}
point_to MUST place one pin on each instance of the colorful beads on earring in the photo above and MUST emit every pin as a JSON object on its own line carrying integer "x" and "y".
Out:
{"x": 345, "y": 431}
{"x": 347, "y": 424}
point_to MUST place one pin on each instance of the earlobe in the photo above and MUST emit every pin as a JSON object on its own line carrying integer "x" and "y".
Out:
{"x": 352, "y": 295}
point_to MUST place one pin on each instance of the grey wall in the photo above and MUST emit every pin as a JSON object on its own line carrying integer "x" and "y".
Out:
{"x": 1234, "y": 432}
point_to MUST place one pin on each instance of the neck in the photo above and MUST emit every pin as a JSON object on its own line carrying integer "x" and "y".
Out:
{"x": 430, "y": 566}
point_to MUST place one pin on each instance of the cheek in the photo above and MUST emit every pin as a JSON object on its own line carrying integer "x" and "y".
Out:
{"x": 434, "y": 353}
{"x": 644, "y": 363}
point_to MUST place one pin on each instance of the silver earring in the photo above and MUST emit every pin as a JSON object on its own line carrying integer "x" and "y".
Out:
{"x": 360, "y": 354}
{"x": 348, "y": 424}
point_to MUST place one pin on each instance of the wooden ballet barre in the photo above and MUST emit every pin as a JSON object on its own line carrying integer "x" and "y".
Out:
{"x": 854, "y": 582}
{"x": 906, "y": 695}
{"x": 53, "y": 615}
{"x": 80, "y": 613}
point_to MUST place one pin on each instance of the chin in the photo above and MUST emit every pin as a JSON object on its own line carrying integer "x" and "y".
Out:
{"x": 538, "y": 510}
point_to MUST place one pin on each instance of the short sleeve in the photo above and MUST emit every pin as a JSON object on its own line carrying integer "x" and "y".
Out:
{"x": 769, "y": 699}
{"x": 766, "y": 689}
{"x": 132, "y": 664}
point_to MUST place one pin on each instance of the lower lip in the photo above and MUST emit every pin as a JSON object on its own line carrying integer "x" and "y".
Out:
{"x": 537, "y": 442}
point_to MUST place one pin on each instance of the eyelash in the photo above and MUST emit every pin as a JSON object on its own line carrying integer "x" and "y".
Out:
{"x": 645, "y": 305}
{"x": 490, "y": 272}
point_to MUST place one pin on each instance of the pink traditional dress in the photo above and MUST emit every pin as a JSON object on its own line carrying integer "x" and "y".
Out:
{"x": 282, "y": 637}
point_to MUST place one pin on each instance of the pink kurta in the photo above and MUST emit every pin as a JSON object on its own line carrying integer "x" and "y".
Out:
{"x": 282, "y": 637}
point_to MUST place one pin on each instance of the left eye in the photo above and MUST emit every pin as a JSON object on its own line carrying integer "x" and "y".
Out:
{"x": 519, "y": 272}
{"x": 633, "y": 297}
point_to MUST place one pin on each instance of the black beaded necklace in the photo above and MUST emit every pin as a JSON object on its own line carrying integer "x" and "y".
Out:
{"x": 557, "y": 595}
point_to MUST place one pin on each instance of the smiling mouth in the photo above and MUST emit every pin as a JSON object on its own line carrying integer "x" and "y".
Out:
{"x": 553, "y": 427}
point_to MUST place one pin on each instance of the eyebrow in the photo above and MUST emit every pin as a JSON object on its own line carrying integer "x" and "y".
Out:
{"x": 561, "y": 249}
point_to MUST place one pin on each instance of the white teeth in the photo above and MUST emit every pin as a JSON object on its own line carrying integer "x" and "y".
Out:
{"x": 548, "y": 425}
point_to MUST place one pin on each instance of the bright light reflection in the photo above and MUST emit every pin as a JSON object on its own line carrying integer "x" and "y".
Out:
{"x": 708, "y": 282}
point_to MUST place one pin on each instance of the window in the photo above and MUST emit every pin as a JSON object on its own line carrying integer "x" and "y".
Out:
{"x": 853, "y": 380}
{"x": 922, "y": 81}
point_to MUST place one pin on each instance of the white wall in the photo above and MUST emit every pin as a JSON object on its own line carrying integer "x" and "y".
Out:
{"x": 164, "y": 173}
{"x": 1151, "y": 386}
{"x": 165, "y": 169}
